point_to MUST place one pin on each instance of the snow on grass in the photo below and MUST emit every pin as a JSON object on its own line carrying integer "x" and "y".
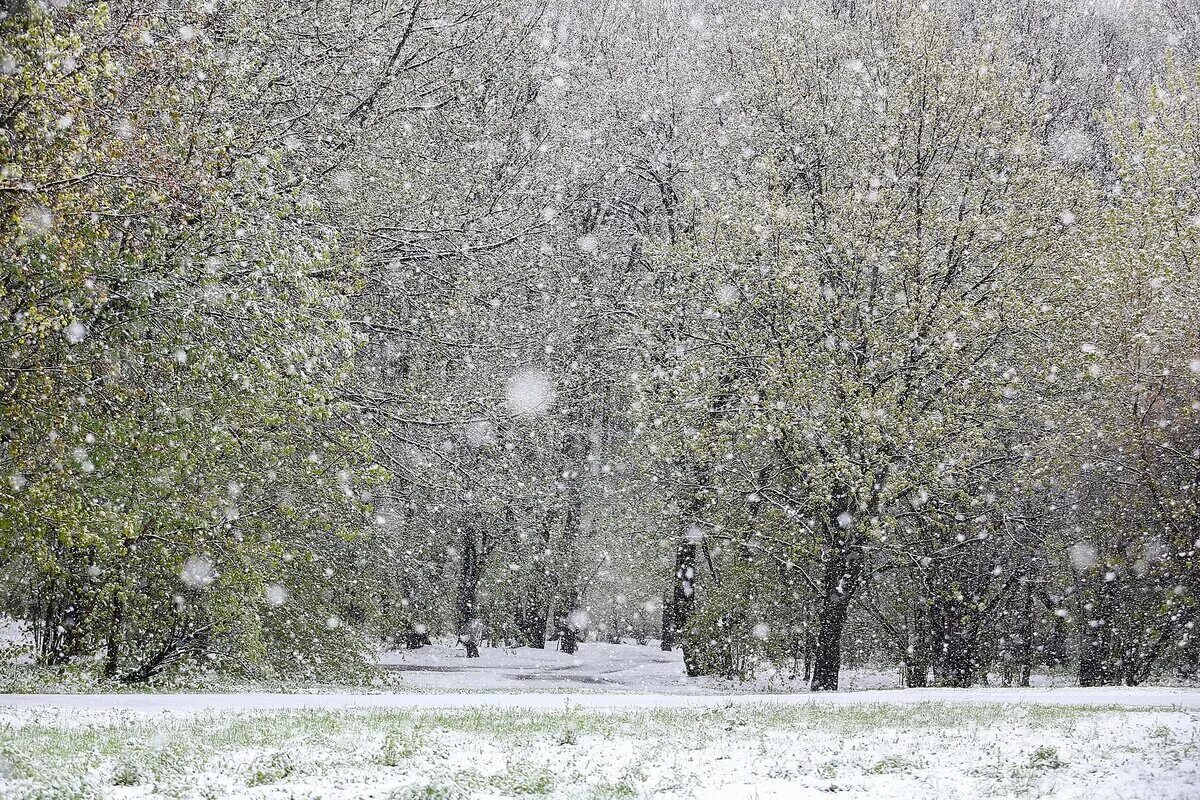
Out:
{"x": 164, "y": 703}
{"x": 927, "y": 750}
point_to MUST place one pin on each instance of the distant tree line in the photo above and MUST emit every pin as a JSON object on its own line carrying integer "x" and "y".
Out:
{"x": 794, "y": 335}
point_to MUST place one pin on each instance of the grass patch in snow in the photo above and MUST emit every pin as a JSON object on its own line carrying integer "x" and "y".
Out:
{"x": 930, "y": 750}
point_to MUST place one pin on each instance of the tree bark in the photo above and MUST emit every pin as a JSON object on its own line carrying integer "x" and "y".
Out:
{"x": 681, "y": 596}
{"x": 466, "y": 600}
{"x": 532, "y": 615}
{"x": 954, "y": 643}
{"x": 568, "y": 635}
{"x": 112, "y": 644}
{"x": 843, "y": 571}
{"x": 916, "y": 662}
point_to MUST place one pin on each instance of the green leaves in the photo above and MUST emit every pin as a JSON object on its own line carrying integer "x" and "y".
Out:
{"x": 155, "y": 412}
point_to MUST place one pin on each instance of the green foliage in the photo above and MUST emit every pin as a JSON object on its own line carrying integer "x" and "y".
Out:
{"x": 750, "y": 620}
{"x": 173, "y": 346}
{"x": 271, "y": 768}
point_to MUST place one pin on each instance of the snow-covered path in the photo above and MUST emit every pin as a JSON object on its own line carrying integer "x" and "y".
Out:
{"x": 1148, "y": 697}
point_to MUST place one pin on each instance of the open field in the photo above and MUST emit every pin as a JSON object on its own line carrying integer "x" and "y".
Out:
{"x": 865, "y": 749}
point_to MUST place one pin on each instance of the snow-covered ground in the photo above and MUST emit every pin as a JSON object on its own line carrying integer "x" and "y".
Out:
{"x": 1116, "y": 696}
{"x": 596, "y": 666}
{"x": 791, "y": 752}
{"x": 613, "y": 721}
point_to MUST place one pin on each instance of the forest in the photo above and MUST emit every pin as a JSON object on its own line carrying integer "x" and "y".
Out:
{"x": 793, "y": 335}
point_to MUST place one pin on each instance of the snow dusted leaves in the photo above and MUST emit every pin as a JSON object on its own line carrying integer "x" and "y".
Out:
{"x": 529, "y": 393}
{"x": 38, "y": 220}
{"x": 198, "y": 572}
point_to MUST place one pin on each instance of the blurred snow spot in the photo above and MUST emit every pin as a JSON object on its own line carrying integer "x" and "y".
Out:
{"x": 276, "y": 595}
{"x": 76, "y": 332}
{"x": 529, "y": 393}
{"x": 480, "y": 433}
{"x": 1083, "y": 556}
{"x": 1072, "y": 144}
{"x": 198, "y": 572}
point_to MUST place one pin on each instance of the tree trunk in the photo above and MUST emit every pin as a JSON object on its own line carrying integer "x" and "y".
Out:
{"x": 112, "y": 644}
{"x": 1095, "y": 665}
{"x": 531, "y": 617}
{"x": 667, "y": 637}
{"x": 1024, "y": 648}
{"x": 681, "y": 596}
{"x": 827, "y": 661}
{"x": 1095, "y": 645}
{"x": 917, "y": 657}
{"x": 810, "y": 646}
{"x": 843, "y": 570}
{"x": 466, "y": 603}
{"x": 568, "y": 635}
{"x": 571, "y": 616}
{"x": 954, "y": 643}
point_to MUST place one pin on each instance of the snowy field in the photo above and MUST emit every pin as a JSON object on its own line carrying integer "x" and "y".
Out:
{"x": 869, "y": 750}
{"x": 615, "y": 721}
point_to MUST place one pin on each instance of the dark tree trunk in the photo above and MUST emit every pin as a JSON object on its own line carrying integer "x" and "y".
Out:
{"x": 414, "y": 640}
{"x": 843, "y": 570}
{"x": 667, "y": 637}
{"x": 1092, "y": 659}
{"x": 466, "y": 608}
{"x": 810, "y": 646}
{"x": 570, "y": 619}
{"x": 112, "y": 644}
{"x": 532, "y": 615}
{"x": 954, "y": 643}
{"x": 681, "y": 596}
{"x": 1096, "y": 667}
{"x": 1024, "y": 647}
{"x": 827, "y": 661}
{"x": 917, "y": 657}
{"x": 568, "y": 635}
